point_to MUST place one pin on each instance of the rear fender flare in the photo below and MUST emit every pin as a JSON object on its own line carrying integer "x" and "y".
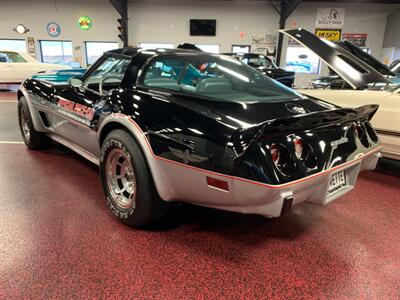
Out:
{"x": 160, "y": 177}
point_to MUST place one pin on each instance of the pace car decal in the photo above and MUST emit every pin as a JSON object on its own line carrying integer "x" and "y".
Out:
{"x": 76, "y": 111}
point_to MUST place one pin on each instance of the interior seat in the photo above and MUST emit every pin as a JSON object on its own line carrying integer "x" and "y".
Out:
{"x": 162, "y": 82}
{"x": 214, "y": 85}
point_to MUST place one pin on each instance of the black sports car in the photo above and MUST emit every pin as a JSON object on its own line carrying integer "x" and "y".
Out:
{"x": 266, "y": 66}
{"x": 183, "y": 125}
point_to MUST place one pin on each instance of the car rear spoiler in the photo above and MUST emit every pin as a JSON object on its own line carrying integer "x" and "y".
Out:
{"x": 244, "y": 137}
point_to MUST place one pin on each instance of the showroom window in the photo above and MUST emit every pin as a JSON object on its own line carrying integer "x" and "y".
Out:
{"x": 56, "y": 52}
{"x": 302, "y": 60}
{"x": 156, "y": 45}
{"x": 239, "y": 49}
{"x": 14, "y": 45}
{"x": 96, "y": 49}
{"x": 209, "y": 48}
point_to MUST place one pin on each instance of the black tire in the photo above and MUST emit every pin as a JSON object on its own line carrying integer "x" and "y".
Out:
{"x": 33, "y": 139}
{"x": 147, "y": 206}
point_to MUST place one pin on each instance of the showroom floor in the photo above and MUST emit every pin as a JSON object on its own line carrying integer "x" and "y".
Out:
{"x": 58, "y": 238}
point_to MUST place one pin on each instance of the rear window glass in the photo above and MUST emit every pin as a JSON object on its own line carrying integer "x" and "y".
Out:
{"x": 215, "y": 77}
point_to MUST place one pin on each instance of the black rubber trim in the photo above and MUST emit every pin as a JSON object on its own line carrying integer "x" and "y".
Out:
{"x": 287, "y": 206}
{"x": 387, "y": 132}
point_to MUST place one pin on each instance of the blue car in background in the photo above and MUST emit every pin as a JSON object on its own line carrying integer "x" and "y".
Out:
{"x": 59, "y": 75}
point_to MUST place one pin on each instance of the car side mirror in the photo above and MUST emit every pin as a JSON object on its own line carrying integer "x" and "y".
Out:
{"x": 76, "y": 82}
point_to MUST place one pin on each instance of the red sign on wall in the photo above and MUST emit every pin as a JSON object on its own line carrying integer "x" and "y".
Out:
{"x": 358, "y": 39}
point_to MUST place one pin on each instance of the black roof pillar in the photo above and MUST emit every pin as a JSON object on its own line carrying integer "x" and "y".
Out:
{"x": 287, "y": 7}
{"x": 121, "y": 7}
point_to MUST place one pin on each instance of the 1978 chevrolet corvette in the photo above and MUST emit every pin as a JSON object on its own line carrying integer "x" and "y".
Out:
{"x": 183, "y": 125}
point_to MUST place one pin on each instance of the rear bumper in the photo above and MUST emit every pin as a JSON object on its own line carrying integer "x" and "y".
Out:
{"x": 249, "y": 197}
{"x": 270, "y": 202}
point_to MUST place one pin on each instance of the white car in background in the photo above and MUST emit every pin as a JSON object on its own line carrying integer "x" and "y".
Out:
{"x": 368, "y": 87}
{"x": 15, "y": 66}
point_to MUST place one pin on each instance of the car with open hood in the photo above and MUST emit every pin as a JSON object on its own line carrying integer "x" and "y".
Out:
{"x": 183, "y": 125}
{"x": 368, "y": 86}
{"x": 266, "y": 66}
{"x": 15, "y": 66}
{"x": 333, "y": 81}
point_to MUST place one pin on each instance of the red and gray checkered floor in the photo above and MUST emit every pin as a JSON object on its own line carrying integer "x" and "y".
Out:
{"x": 59, "y": 240}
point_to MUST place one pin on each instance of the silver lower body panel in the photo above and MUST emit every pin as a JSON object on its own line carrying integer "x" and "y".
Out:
{"x": 249, "y": 197}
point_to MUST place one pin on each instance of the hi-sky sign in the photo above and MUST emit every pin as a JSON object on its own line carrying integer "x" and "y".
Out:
{"x": 329, "y": 34}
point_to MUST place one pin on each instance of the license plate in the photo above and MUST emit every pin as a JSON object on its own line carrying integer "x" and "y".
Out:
{"x": 337, "y": 183}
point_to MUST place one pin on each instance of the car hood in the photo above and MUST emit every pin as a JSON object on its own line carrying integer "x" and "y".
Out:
{"x": 365, "y": 57}
{"x": 54, "y": 66}
{"x": 71, "y": 72}
{"x": 354, "y": 71}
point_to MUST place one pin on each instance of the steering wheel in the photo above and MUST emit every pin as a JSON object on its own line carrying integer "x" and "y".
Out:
{"x": 101, "y": 83}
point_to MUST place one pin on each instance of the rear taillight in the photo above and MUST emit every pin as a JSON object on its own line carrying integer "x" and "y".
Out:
{"x": 304, "y": 152}
{"x": 282, "y": 160}
{"x": 360, "y": 132}
{"x": 298, "y": 147}
{"x": 371, "y": 132}
{"x": 275, "y": 153}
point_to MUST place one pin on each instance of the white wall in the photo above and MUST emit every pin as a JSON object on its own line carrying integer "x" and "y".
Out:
{"x": 37, "y": 14}
{"x": 168, "y": 21}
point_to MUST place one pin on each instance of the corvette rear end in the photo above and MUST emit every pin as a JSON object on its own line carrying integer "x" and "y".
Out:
{"x": 276, "y": 164}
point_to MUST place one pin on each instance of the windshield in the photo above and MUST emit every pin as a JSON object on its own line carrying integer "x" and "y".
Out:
{"x": 215, "y": 77}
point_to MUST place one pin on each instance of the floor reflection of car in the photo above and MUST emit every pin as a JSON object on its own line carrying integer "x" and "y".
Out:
{"x": 15, "y": 66}
{"x": 266, "y": 66}
{"x": 367, "y": 86}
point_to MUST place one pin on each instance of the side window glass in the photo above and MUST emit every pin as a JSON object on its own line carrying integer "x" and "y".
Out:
{"x": 11, "y": 57}
{"x": 3, "y": 58}
{"x": 111, "y": 71}
{"x": 15, "y": 57}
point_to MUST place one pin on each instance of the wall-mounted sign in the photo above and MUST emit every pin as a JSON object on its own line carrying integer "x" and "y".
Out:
{"x": 329, "y": 17}
{"x": 53, "y": 29}
{"x": 264, "y": 44}
{"x": 358, "y": 39}
{"x": 31, "y": 46}
{"x": 329, "y": 34}
{"x": 85, "y": 23}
